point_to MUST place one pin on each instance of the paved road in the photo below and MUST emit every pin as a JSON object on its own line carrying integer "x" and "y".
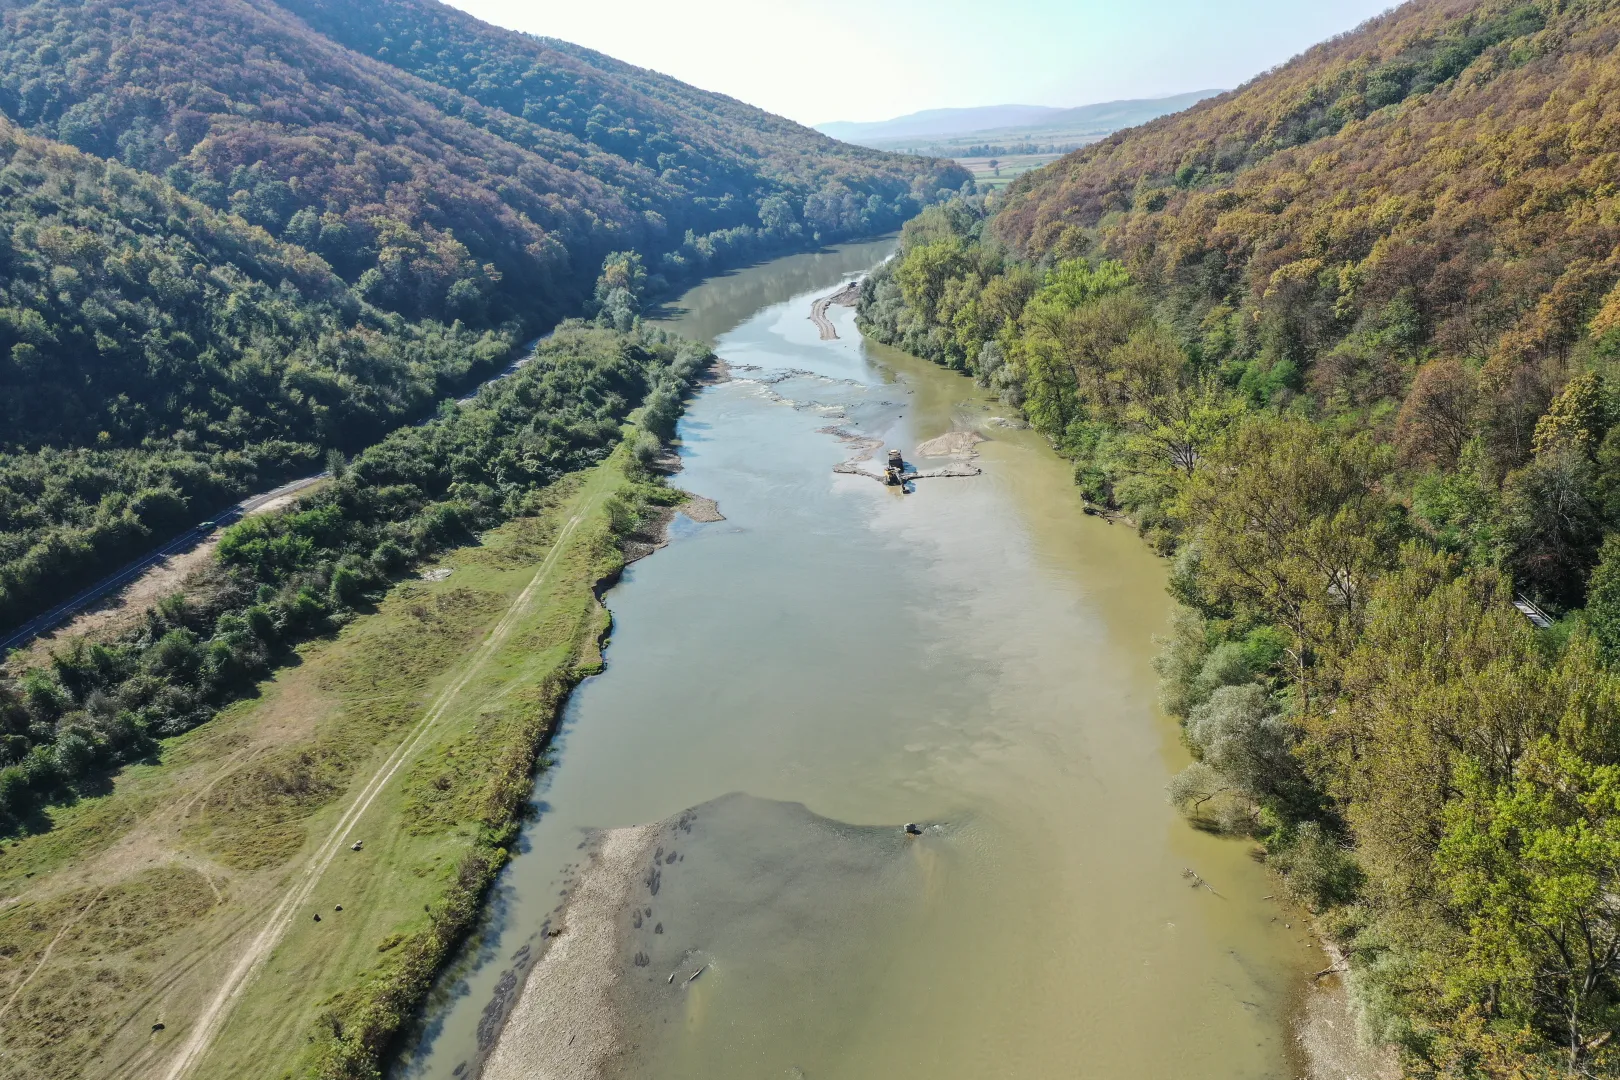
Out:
{"x": 190, "y": 539}
{"x": 111, "y": 583}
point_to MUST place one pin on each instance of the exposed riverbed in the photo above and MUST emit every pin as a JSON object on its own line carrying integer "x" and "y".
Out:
{"x": 976, "y": 656}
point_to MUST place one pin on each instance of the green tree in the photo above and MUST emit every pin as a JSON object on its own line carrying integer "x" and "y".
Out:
{"x": 1534, "y": 866}
{"x": 1293, "y": 529}
{"x": 1443, "y": 669}
{"x": 1551, "y": 526}
{"x": 927, "y": 271}
{"x": 1603, "y": 600}
{"x": 1577, "y": 419}
{"x": 622, "y": 270}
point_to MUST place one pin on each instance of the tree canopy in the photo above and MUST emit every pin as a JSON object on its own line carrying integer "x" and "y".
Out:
{"x": 447, "y": 168}
{"x": 235, "y": 238}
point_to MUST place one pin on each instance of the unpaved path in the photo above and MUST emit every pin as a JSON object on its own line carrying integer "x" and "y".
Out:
{"x": 184, "y": 542}
{"x": 845, "y": 297}
{"x": 46, "y": 955}
{"x": 297, "y": 893}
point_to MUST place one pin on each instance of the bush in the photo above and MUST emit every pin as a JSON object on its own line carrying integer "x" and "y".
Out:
{"x": 1320, "y": 872}
{"x": 1239, "y": 734}
{"x": 1180, "y": 659}
{"x": 1603, "y": 600}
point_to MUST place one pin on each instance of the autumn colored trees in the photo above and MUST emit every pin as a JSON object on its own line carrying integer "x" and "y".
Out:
{"x": 446, "y": 168}
{"x": 280, "y": 230}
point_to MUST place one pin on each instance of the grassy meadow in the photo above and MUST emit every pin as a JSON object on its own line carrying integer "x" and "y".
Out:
{"x": 130, "y": 911}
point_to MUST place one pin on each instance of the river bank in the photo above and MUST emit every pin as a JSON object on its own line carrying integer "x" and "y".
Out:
{"x": 977, "y": 653}
{"x": 564, "y": 1024}
{"x": 661, "y": 916}
{"x": 301, "y": 865}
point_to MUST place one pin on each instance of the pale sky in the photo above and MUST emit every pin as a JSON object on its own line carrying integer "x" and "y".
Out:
{"x": 875, "y": 59}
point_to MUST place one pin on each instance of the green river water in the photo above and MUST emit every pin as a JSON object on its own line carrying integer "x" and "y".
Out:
{"x": 976, "y": 655}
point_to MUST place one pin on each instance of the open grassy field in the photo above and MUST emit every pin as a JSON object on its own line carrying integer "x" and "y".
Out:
{"x": 1008, "y": 168}
{"x": 169, "y": 927}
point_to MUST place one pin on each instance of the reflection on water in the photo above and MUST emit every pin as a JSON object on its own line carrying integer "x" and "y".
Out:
{"x": 977, "y": 653}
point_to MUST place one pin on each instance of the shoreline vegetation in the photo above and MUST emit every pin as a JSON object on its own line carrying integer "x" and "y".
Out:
{"x": 166, "y": 854}
{"x": 240, "y": 244}
{"x": 1371, "y": 429}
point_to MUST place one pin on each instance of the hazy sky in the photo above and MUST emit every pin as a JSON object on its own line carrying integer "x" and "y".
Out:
{"x": 874, "y": 59}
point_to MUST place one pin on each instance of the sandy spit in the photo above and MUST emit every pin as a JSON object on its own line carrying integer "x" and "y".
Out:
{"x": 563, "y": 1026}
{"x": 1332, "y": 1045}
{"x": 951, "y": 444}
{"x": 653, "y": 534}
{"x": 848, "y": 296}
{"x": 701, "y": 510}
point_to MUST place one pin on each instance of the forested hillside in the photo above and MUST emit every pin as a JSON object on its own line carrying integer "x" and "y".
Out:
{"x": 158, "y": 358}
{"x": 267, "y": 245}
{"x": 286, "y": 577}
{"x": 1344, "y": 342}
{"x": 473, "y": 173}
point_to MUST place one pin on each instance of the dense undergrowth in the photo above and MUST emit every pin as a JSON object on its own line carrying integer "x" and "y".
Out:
{"x": 285, "y": 577}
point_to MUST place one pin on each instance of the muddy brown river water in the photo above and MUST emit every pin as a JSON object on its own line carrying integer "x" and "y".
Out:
{"x": 977, "y": 656}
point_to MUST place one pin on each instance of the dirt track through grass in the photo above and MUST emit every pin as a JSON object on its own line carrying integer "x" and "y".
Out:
{"x": 46, "y": 955}
{"x": 298, "y": 893}
{"x": 164, "y": 927}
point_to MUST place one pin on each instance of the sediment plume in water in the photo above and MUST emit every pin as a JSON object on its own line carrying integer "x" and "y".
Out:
{"x": 700, "y": 919}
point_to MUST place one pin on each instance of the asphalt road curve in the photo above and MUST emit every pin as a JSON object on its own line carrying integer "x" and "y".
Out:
{"x": 115, "y": 581}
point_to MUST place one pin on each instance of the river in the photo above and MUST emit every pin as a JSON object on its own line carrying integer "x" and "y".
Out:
{"x": 976, "y": 655}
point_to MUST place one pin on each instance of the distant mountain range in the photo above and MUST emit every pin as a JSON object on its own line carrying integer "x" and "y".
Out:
{"x": 931, "y": 122}
{"x": 1011, "y": 122}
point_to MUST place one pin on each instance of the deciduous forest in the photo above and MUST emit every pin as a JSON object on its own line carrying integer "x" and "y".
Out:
{"x": 237, "y": 238}
{"x": 1343, "y": 343}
